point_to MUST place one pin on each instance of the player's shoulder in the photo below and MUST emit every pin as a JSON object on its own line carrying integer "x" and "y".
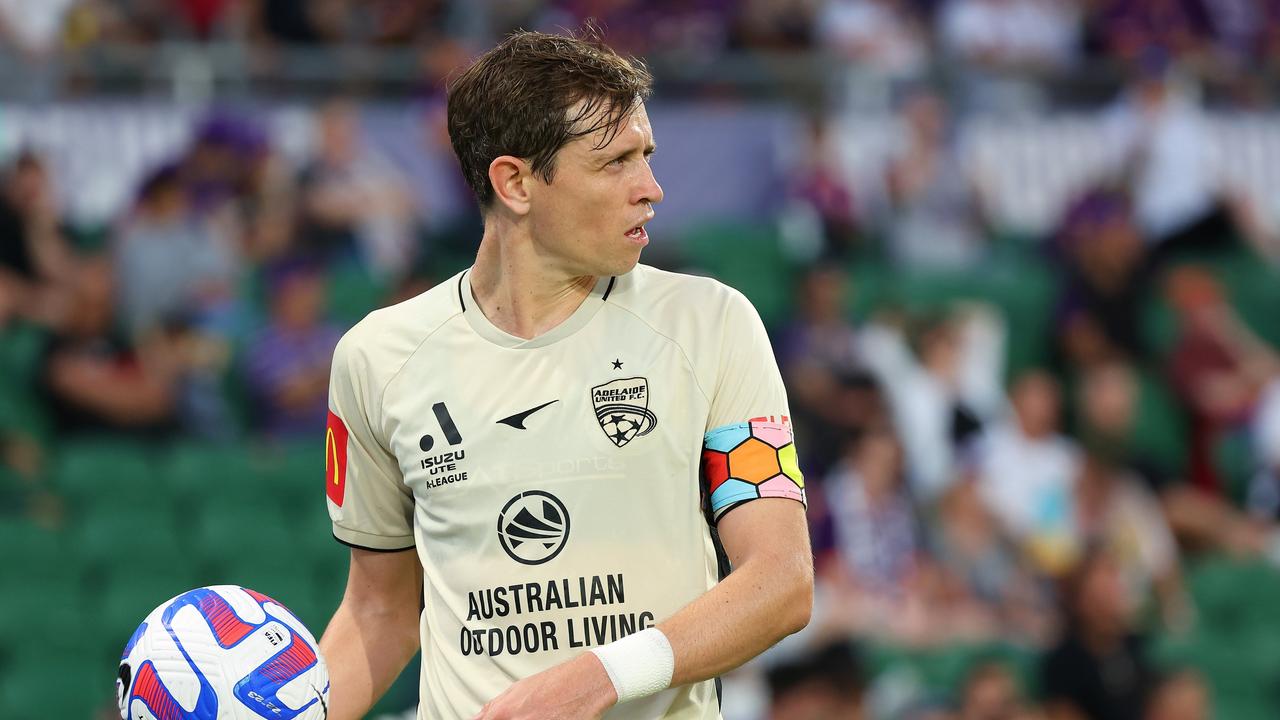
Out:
{"x": 654, "y": 294}
{"x": 386, "y": 336}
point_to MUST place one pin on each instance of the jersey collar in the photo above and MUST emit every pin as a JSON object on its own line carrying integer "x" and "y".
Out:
{"x": 575, "y": 322}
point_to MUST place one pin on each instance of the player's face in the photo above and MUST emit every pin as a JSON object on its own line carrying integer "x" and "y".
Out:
{"x": 590, "y": 218}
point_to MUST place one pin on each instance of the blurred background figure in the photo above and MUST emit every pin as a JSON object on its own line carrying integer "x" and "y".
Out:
{"x": 1018, "y": 259}
{"x": 937, "y": 218}
{"x": 829, "y": 685}
{"x": 287, "y": 362}
{"x": 96, "y": 379}
{"x": 1180, "y": 695}
{"x": 34, "y": 258}
{"x": 1027, "y": 474}
{"x": 353, "y": 204}
{"x": 991, "y": 692}
{"x": 1099, "y": 668}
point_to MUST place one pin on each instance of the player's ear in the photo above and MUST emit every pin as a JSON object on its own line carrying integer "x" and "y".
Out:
{"x": 509, "y": 176}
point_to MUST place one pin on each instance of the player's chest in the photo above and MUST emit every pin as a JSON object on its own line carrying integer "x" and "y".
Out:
{"x": 509, "y": 420}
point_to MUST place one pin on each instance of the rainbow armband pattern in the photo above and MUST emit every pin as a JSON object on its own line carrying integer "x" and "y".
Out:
{"x": 746, "y": 461}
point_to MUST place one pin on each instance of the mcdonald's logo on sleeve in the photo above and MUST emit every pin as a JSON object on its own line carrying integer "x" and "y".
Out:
{"x": 335, "y": 459}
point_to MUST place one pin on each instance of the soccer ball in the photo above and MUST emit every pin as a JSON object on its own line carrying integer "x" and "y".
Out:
{"x": 222, "y": 653}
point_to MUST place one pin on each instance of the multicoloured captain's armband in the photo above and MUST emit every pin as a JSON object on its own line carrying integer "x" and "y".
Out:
{"x": 750, "y": 460}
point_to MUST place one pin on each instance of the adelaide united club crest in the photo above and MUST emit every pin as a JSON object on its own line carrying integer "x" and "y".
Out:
{"x": 622, "y": 407}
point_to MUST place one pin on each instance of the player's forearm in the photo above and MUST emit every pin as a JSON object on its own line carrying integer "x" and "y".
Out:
{"x": 757, "y": 605}
{"x": 365, "y": 651}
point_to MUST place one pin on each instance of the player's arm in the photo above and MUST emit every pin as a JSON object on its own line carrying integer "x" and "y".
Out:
{"x": 768, "y": 595}
{"x": 374, "y": 632}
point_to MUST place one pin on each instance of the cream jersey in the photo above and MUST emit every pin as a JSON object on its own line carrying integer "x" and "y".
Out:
{"x": 560, "y": 492}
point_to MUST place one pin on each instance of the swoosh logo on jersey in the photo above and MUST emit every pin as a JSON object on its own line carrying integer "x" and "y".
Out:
{"x": 517, "y": 421}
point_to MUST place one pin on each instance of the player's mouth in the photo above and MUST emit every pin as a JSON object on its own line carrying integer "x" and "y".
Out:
{"x": 638, "y": 234}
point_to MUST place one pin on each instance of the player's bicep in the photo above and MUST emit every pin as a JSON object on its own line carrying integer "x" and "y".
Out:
{"x": 772, "y": 530}
{"x": 384, "y": 582}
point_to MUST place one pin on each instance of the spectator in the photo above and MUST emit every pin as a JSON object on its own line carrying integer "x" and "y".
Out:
{"x": 886, "y": 35}
{"x": 1011, "y": 34}
{"x": 1107, "y": 411}
{"x": 1181, "y": 695}
{"x": 1126, "y": 29}
{"x": 881, "y": 580}
{"x": 943, "y": 385}
{"x": 1239, "y": 31}
{"x": 174, "y": 264}
{"x": 826, "y": 685}
{"x": 1201, "y": 520}
{"x": 1099, "y": 669}
{"x": 990, "y": 692}
{"x": 96, "y": 380}
{"x": 684, "y": 28}
{"x": 287, "y": 363}
{"x": 304, "y": 22}
{"x": 995, "y": 586}
{"x": 936, "y": 218}
{"x": 1027, "y": 474}
{"x": 1116, "y": 512}
{"x": 774, "y": 25}
{"x": 34, "y": 258}
{"x": 818, "y": 355}
{"x": 819, "y": 185}
{"x": 353, "y": 203}
{"x": 33, "y": 26}
{"x": 1159, "y": 133}
{"x": 1219, "y": 367}
{"x": 1099, "y": 309}
{"x": 875, "y": 524}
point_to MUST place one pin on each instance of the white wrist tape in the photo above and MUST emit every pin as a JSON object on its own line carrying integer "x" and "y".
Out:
{"x": 639, "y": 665}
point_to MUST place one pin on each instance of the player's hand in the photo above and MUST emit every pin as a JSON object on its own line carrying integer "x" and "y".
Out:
{"x": 574, "y": 690}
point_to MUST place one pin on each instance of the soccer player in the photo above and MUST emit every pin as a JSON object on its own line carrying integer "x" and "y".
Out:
{"x": 545, "y": 465}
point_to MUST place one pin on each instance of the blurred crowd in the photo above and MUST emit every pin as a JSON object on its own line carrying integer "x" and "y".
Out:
{"x": 900, "y": 38}
{"x": 954, "y": 497}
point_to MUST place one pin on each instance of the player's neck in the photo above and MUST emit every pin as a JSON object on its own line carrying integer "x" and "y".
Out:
{"x": 521, "y": 293}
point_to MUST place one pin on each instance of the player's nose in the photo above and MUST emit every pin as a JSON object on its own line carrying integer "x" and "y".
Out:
{"x": 648, "y": 191}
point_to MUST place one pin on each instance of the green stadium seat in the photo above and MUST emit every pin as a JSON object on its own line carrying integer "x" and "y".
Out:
{"x": 40, "y": 611}
{"x": 33, "y": 549}
{"x": 21, "y": 354}
{"x": 201, "y": 473}
{"x": 749, "y": 258}
{"x": 353, "y": 293}
{"x": 134, "y": 535}
{"x": 108, "y": 471}
{"x": 57, "y": 685}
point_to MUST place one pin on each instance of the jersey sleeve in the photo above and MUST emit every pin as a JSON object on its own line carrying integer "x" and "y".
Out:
{"x": 369, "y": 504}
{"x": 749, "y": 449}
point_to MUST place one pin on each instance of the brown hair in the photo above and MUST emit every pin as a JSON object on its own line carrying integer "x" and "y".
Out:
{"x": 519, "y": 99}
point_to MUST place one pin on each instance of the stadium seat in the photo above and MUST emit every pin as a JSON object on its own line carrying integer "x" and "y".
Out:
{"x": 353, "y": 293}
{"x": 747, "y": 257}
{"x": 108, "y": 471}
{"x": 58, "y": 685}
{"x": 21, "y": 407}
{"x": 128, "y": 535}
